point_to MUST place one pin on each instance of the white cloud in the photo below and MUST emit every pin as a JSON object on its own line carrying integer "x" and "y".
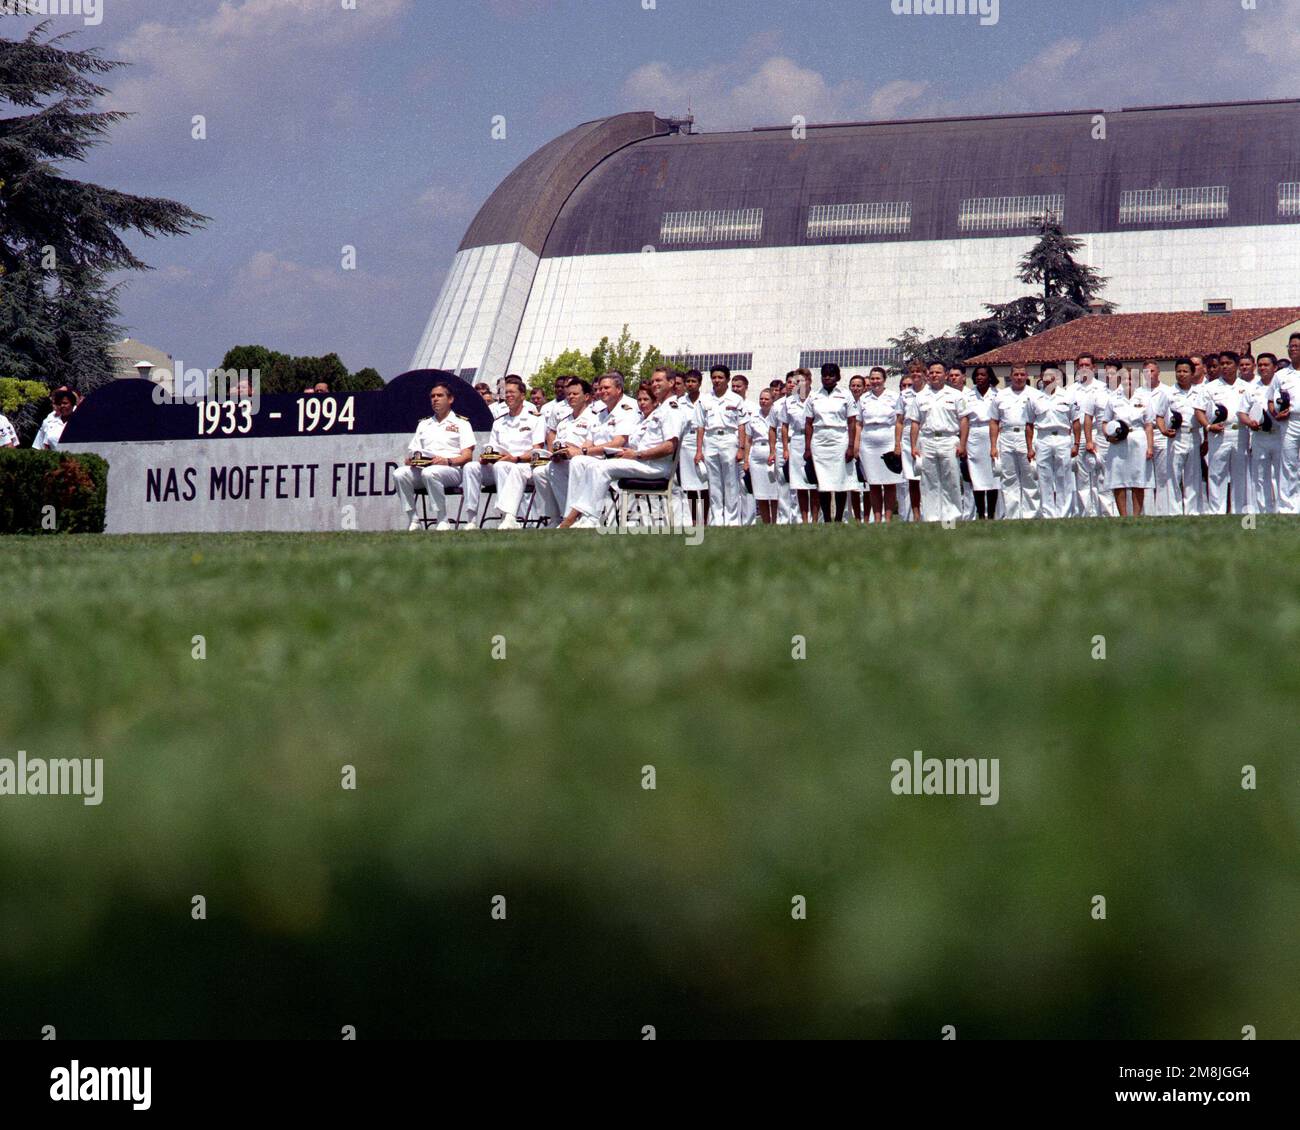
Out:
{"x": 447, "y": 202}
{"x": 771, "y": 92}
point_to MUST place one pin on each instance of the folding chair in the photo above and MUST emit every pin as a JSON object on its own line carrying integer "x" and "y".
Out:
{"x": 661, "y": 488}
{"x": 426, "y": 520}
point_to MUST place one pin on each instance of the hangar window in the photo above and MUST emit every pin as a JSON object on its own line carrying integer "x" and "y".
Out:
{"x": 1003, "y": 213}
{"x": 1288, "y": 198}
{"x": 1173, "y": 205}
{"x": 828, "y": 221}
{"x": 849, "y": 358}
{"x": 736, "y": 362}
{"x": 732, "y": 225}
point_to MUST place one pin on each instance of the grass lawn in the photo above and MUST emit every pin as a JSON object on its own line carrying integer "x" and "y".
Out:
{"x": 522, "y": 776}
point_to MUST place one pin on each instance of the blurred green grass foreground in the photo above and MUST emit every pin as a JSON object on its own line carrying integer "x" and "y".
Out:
{"x": 500, "y": 696}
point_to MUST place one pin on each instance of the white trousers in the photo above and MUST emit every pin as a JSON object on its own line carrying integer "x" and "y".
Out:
{"x": 1288, "y": 501}
{"x": 435, "y": 480}
{"x": 725, "y": 484}
{"x": 940, "y": 479}
{"x": 1160, "y": 500}
{"x": 551, "y": 482}
{"x": 509, "y": 479}
{"x": 1091, "y": 498}
{"x": 1265, "y": 465}
{"x": 1227, "y": 463}
{"x": 1055, "y": 470}
{"x": 1185, "y": 493}
{"x": 589, "y": 480}
{"x": 1019, "y": 477}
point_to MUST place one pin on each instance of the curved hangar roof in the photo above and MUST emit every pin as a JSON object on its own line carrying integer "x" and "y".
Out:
{"x": 606, "y": 186}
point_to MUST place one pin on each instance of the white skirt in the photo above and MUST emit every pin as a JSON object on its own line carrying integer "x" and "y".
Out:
{"x": 875, "y": 443}
{"x": 1127, "y": 465}
{"x": 798, "y": 480}
{"x": 981, "y": 462}
{"x": 691, "y": 473}
{"x": 834, "y": 472}
{"x": 762, "y": 478}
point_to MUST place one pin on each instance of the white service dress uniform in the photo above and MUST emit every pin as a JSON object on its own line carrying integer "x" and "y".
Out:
{"x": 590, "y": 479}
{"x": 1011, "y": 409}
{"x": 979, "y": 409}
{"x": 445, "y": 438}
{"x": 1265, "y": 450}
{"x": 719, "y": 418}
{"x": 1127, "y": 465}
{"x": 1091, "y": 498}
{"x": 1053, "y": 416}
{"x": 1150, "y": 398}
{"x": 516, "y": 435}
{"x": 831, "y": 410}
{"x": 551, "y": 480}
{"x": 8, "y": 436}
{"x": 877, "y": 417}
{"x": 691, "y": 474}
{"x": 939, "y": 415}
{"x": 1288, "y": 381}
{"x": 50, "y": 432}
{"x": 605, "y": 425}
{"x": 1183, "y": 453}
{"x": 794, "y": 412}
{"x": 763, "y": 476}
{"x": 1228, "y": 455}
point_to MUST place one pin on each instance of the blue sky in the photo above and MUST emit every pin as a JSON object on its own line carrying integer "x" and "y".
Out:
{"x": 372, "y": 127}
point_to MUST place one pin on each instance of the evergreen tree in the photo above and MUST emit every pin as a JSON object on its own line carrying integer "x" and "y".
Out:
{"x": 60, "y": 237}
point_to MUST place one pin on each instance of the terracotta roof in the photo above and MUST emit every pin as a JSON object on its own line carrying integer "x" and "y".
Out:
{"x": 1138, "y": 337}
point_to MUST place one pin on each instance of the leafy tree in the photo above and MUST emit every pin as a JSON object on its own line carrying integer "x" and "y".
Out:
{"x": 60, "y": 237}
{"x": 14, "y": 394}
{"x": 572, "y": 362}
{"x": 363, "y": 380}
{"x": 282, "y": 373}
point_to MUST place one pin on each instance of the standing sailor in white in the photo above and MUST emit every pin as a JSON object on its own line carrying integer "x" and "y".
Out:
{"x": 1011, "y": 438}
{"x": 717, "y": 448}
{"x": 1284, "y": 404}
{"x": 979, "y": 448}
{"x": 831, "y": 434}
{"x": 748, "y": 507}
{"x": 690, "y": 470}
{"x": 877, "y": 427}
{"x": 1265, "y": 438}
{"x": 64, "y": 402}
{"x": 1090, "y": 498}
{"x": 1227, "y": 457}
{"x": 794, "y": 451}
{"x": 1054, "y": 414}
{"x": 515, "y": 434}
{"x": 442, "y": 445}
{"x": 760, "y": 458}
{"x": 935, "y": 417}
{"x": 1175, "y": 410}
{"x": 1147, "y": 395}
{"x": 909, "y": 503}
{"x": 1130, "y": 446}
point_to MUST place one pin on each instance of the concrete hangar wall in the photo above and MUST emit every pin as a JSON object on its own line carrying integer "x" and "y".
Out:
{"x": 766, "y": 250}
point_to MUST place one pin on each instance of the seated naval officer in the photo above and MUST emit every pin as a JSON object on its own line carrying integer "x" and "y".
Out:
{"x": 506, "y": 462}
{"x": 442, "y": 445}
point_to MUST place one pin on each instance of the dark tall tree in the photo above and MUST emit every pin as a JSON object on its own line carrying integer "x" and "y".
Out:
{"x": 60, "y": 237}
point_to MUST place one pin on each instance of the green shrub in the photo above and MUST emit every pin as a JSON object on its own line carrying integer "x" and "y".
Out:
{"x": 15, "y": 393}
{"x": 76, "y": 486}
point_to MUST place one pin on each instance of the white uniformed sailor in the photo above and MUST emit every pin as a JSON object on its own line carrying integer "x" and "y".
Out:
{"x": 935, "y": 418}
{"x": 1175, "y": 417}
{"x": 65, "y": 402}
{"x": 1228, "y": 478}
{"x": 1010, "y": 444}
{"x": 1091, "y": 499}
{"x": 877, "y": 427}
{"x": 1054, "y": 414}
{"x": 912, "y": 385}
{"x": 565, "y": 440}
{"x": 690, "y": 472}
{"x": 794, "y": 415}
{"x": 1130, "y": 449}
{"x": 831, "y": 434}
{"x": 760, "y": 458}
{"x": 515, "y": 436}
{"x": 446, "y": 441}
{"x": 608, "y": 420}
{"x": 8, "y": 436}
{"x": 718, "y": 418}
{"x": 1265, "y": 438}
{"x": 1147, "y": 394}
{"x": 1285, "y": 390}
{"x": 985, "y": 479}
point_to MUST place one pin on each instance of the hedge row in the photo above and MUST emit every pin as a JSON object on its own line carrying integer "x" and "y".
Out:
{"x": 73, "y": 487}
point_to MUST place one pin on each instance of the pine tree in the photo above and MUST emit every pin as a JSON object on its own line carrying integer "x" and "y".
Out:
{"x": 59, "y": 237}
